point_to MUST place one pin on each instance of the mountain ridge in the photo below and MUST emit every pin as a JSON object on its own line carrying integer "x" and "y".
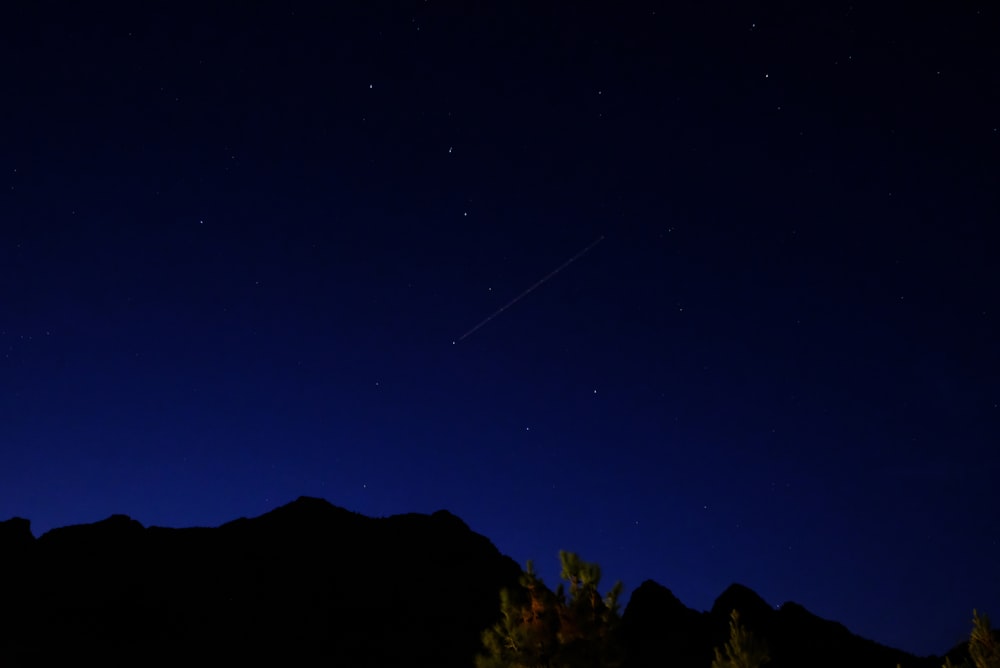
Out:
{"x": 310, "y": 578}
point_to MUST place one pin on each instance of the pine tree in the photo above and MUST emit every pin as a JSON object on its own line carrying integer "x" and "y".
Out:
{"x": 526, "y": 635}
{"x": 983, "y": 646}
{"x": 589, "y": 623}
{"x": 542, "y": 629}
{"x": 742, "y": 650}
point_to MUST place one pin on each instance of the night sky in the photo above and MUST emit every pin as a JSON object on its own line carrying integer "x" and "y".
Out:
{"x": 240, "y": 247}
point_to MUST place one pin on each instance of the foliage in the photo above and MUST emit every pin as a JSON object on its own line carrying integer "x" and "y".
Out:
{"x": 542, "y": 629}
{"x": 742, "y": 650}
{"x": 983, "y": 646}
{"x": 526, "y": 632}
{"x": 984, "y": 649}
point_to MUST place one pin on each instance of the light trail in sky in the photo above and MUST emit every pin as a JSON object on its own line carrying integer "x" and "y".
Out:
{"x": 533, "y": 286}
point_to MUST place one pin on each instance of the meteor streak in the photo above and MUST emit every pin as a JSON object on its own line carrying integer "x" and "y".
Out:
{"x": 535, "y": 285}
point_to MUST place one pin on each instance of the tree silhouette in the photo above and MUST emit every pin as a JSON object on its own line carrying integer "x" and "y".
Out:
{"x": 542, "y": 629}
{"x": 742, "y": 650}
{"x": 984, "y": 649}
{"x": 983, "y": 646}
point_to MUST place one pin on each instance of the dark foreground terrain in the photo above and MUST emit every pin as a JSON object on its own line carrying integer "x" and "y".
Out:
{"x": 313, "y": 584}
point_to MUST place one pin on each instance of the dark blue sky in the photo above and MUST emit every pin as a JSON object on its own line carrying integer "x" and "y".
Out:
{"x": 237, "y": 245}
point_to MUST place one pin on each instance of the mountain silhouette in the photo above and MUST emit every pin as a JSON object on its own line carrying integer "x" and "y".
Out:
{"x": 310, "y": 583}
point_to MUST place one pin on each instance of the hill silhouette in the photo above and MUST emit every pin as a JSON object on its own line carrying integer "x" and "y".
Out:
{"x": 310, "y": 583}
